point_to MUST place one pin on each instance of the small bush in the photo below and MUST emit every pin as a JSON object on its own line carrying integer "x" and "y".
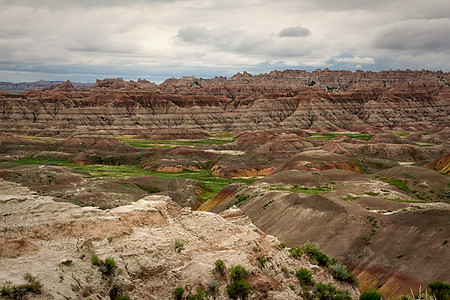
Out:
{"x": 340, "y": 272}
{"x": 95, "y": 260}
{"x": 238, "y": 289}
{"x": 212, "y": 287}
{"x": 219, "y": 266}
{"x": 304, "y": 276}
{"x": 178, "y": 292}
{"x": 330, "y": 292}
{"x": 238, "y": 272}
{"x": 283, "y": 245}
{"x": 179, "y": 246}
{"x": 19, "y": 291}
{"x": 262, "y": 260}
{"x": 371, "y": 295}
{"x": 108, "y": 267}
{"x": 440, "y": 290}
{"x": 200, "y": 295}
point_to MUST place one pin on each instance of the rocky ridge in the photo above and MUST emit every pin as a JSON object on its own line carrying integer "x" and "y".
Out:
{"x": 57, "y": 240}
{"x": 290, "y": 100}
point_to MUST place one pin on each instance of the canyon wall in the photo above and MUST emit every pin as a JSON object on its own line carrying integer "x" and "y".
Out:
{"x": 336, "y": 100}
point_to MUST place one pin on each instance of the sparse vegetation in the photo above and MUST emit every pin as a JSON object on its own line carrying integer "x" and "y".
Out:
{"x": 219, "y": 266}
{"x": 340, "y": 272}
{"x": 329, "y": 136}
{"x": 178, "y": 293}
{"x": 262, "y": 260}
{"x": 440, "y": 290}
{"x": 330, "y": 292}
{"x": 32, "y": 286}
{"x": 238, "y": 288}
{"x": 297, "y": 189}
{"x": 304, "y": 276}
{"x": 95, "y": 260}
{"x": 240, "y": 198}
{"x": 371, "y": 295}
{"x": 179, "y": 246}
{"x": 108, "y": 267}
{"x": 212, "y": 288}
{"x": 200, "y": 295}
{"x": 268, "y": 203}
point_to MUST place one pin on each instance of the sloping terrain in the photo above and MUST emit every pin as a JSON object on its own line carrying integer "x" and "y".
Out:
{"x": 155, "y": 245}
{"x": 391, "y": 239}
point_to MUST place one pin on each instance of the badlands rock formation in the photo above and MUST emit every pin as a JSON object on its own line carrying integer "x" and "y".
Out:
{"x": 412, "y": 100}
{"x": 54, "y": 242}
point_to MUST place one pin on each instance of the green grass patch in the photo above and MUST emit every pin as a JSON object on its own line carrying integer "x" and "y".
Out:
{"x": 141, "y": 143}
{"x": 399, "y": 183}
{"x": 297, "y": 189}
{"x": 329, "y": 136}
{"x": 403, "y": 200}
{"x": 402, "y": 134}
{"x": 210, "y": 185}
{"x": 425, "y": 145}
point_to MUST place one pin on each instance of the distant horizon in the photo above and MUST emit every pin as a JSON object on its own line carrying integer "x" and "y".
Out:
{"x": 210, "y": 77}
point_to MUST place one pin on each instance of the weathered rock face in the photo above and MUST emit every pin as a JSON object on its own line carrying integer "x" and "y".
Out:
{"x": 288, "y": 100}
{"x": 57, "y": 241}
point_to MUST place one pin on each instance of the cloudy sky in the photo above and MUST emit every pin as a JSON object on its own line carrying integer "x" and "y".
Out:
{"x": 154, "y": 39}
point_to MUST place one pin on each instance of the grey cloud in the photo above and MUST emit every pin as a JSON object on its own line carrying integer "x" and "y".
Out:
{"x": 240, "y": 41}
{"x": 416, "y": 35}
{"x": 297, "y": 31}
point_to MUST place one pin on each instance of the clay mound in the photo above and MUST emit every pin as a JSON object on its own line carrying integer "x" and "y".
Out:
{"x": 315, "y": 202}
{"x": 224, "y": 194}
{"x": 263, "y": 141}
{"x": 97, "y": 142}
{"x": 284, "y": 144}
{"x": 8, "y": 139}
{"x": 441, "y": 165}
{"x": 387, "y": 138}
{"x": 173, "y": 135}
{"x": 316, "y": 160}
{"x": 424, "y": 183}
{"x": 64, "y": 87}
{"x": 306, "y": 178}
{"x": 380, "y": 204}
{"x": 440, "y": 137}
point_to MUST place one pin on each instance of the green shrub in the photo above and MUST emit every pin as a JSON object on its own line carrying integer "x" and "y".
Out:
{"x": 122, "y": 297}
{"x": 440, "y": 290}
{"x": 238, "y": 289}
{"x": 95, "y": 260}
{"x": 313, "y": 251}
{"x": 330, "y": 292}
{"x": 212, "y": 287}
{"x": 219, "y": 266}
{"x": 19, "y": 291}
{"x": 340, "y": 272}
{"x": 295, "y": 252}
{"x": 108, "y": 267}
{"x": 304, "y": 276}
{"x": 179, "y": 246}
{"x": 238, "y": 272}
{"x": 371, "y": 295}
{"x": 178, "y": 292}
{"x": 200, "y": 295}
{"x": 262, "y": 260}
